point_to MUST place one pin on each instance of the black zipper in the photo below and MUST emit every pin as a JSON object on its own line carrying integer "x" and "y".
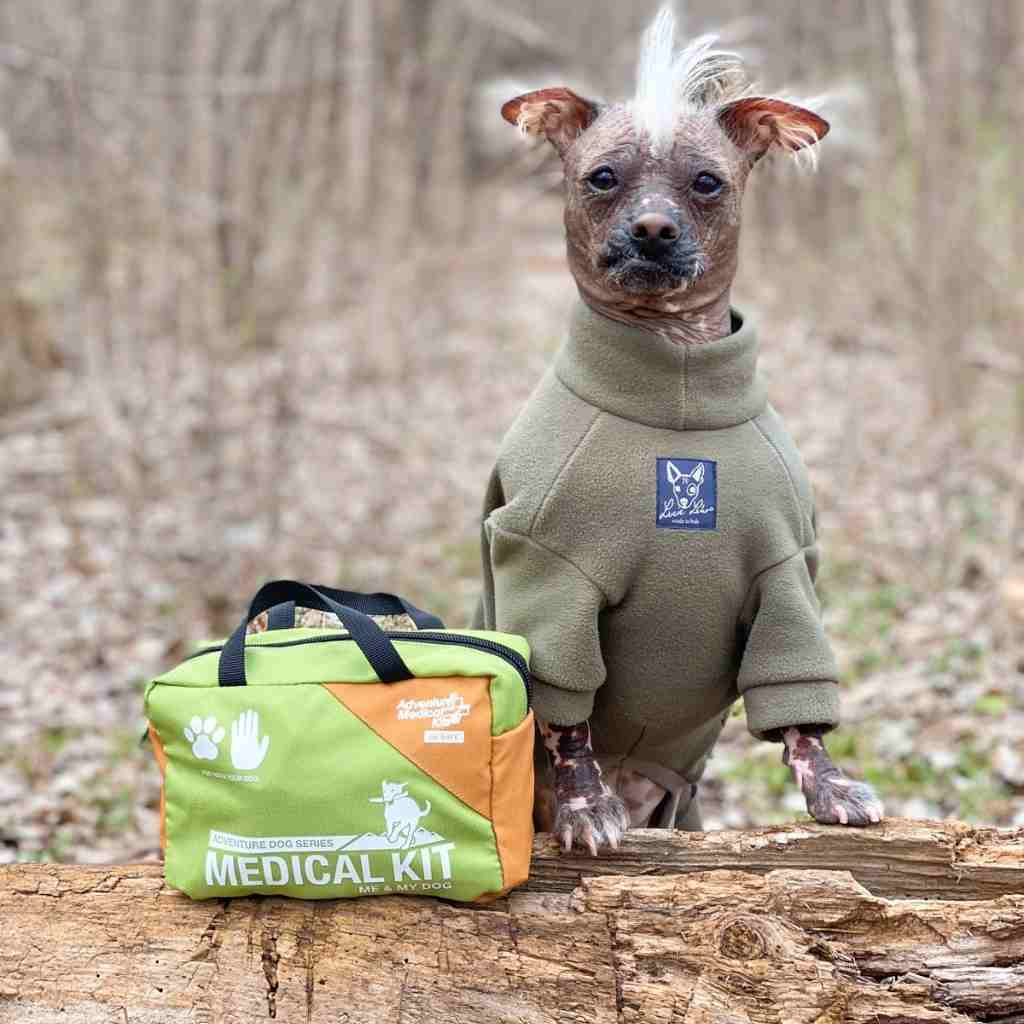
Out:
{"x": 514, "y": 658}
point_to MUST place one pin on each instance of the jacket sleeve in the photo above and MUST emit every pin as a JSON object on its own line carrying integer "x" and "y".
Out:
{"x": 788, "y": 674}
{"x": 536, "y": 592}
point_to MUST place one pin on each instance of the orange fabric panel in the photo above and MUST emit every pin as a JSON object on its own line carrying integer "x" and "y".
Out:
{"x": 161, "y": 760}
{"x": 512, "y": 800}
{"x": 462, "y": 768}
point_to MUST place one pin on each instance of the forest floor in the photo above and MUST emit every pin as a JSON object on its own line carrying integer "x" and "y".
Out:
{"x": 117, "y": 557}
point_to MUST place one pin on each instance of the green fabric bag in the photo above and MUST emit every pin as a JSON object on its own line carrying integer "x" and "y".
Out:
{"x": 319, "y": 763}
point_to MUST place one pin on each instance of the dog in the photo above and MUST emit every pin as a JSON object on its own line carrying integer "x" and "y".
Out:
{"x": 401, "y": 814}
{"x": 649, "y": 525}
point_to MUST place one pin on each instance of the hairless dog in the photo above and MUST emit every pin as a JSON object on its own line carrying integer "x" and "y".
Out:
{"x": 649, "y": 525}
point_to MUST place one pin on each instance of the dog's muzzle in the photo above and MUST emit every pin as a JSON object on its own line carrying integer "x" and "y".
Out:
{"x": 660, "y": 259}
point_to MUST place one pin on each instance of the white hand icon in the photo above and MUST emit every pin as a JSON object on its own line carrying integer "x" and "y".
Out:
{"x": 247, "y": 750}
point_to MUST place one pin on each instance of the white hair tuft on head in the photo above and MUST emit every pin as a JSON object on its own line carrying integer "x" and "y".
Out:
{"x": 668, "y": 82}
{"x": 655, "y": 104}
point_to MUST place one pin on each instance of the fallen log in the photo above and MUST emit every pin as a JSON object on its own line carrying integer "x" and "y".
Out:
{"x": 917, "y": 859}
{"x": 786, "y": 944}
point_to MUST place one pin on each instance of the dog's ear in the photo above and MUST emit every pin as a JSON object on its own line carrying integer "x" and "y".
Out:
{"x": 698, "y": 474}
{"x": 757, "y": 123}
{"x": 559, "y": 115}
{"x": 672, "y": 472}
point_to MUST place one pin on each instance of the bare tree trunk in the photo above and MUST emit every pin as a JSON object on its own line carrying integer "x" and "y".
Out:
{"x": 360, "y": 112}
{"x": 1012, "y": 624}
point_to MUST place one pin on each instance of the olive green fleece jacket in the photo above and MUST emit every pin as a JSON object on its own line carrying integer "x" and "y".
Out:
{"x": 649, "y": 528}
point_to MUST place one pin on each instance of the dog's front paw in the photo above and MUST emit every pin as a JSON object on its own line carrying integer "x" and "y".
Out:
{"x": 832, "y": 798}
{"x": 591, "y": 822}
{"x": 838, "y": 800}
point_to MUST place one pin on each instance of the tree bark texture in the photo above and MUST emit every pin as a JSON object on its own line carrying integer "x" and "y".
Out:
{"x": 917, "y": 859}
{"x": 678, "y": 939}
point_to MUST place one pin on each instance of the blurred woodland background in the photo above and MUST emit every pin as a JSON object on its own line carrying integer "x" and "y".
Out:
{"x": 275, "y": 278}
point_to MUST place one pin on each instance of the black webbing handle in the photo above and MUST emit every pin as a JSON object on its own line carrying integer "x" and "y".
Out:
{"x": 281, "y": 616}
{"x": 368, "y": 604}
{"x": 378, "y": 650}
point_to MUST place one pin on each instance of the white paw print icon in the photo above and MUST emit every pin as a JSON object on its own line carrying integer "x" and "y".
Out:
{"x": 204, "y": 735}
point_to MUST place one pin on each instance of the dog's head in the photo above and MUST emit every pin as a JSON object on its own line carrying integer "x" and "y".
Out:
{"x": 685, "y": 486}
{"x": 391, "y": 790}
{"x": 653, "y": 186}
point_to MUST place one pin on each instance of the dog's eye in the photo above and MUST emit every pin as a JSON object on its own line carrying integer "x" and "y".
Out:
{"x": 603, "y": 179}
{"x": 707, "y": 184}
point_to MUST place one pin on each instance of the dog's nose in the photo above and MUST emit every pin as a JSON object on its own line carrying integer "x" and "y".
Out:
{"x": 654, "y": 233}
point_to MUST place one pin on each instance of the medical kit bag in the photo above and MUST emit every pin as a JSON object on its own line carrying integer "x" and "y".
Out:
{"x": 326, "y": 762}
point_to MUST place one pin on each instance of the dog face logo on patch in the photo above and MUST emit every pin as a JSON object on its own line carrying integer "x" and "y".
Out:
{"x": 687, "y": 494}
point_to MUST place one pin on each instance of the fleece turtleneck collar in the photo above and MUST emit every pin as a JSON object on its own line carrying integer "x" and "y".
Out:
{"x": 640, "y": 376}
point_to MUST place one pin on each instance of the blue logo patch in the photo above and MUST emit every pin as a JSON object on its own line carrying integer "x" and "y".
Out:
{"x": 687, "y": 494}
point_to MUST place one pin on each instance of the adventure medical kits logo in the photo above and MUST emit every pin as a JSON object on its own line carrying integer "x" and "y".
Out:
{"x": 441, "y": 712}
{"x": 405, "y": 857}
